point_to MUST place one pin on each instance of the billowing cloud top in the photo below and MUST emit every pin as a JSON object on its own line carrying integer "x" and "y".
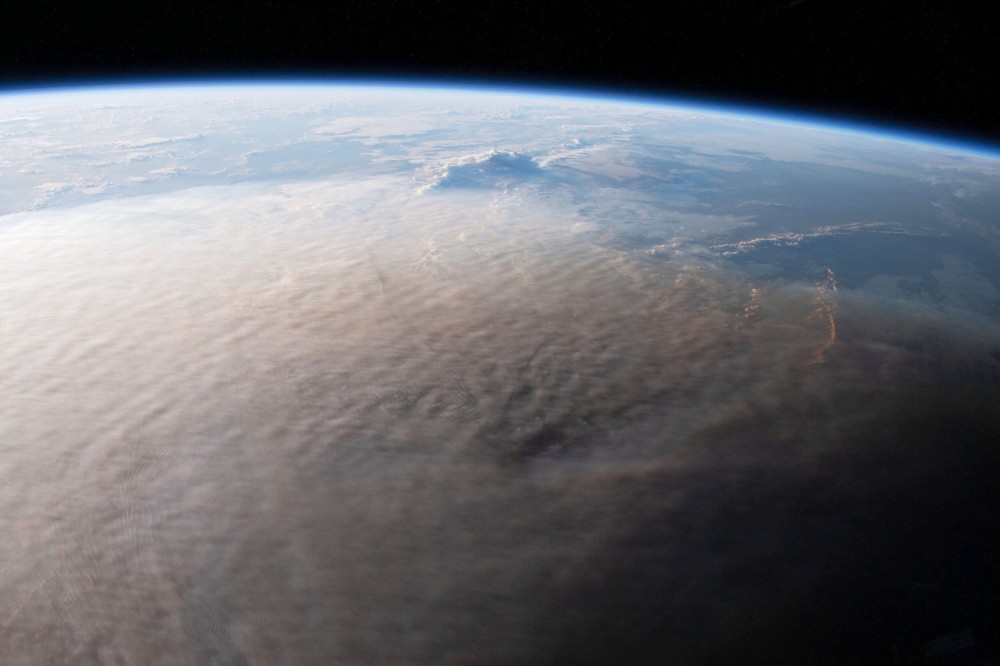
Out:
{"x": 485, "y": 170}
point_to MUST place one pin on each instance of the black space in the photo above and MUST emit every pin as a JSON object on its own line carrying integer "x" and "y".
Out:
{"x": 920, "y": 64}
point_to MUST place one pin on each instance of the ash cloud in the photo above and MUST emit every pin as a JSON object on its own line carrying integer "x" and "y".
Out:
{"x": 333, "y": 421}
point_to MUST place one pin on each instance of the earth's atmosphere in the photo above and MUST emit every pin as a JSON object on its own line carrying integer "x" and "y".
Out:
{"x": 317, "y": 374}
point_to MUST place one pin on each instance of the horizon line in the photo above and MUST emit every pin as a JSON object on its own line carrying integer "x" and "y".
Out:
{"x": 778, "y": 113}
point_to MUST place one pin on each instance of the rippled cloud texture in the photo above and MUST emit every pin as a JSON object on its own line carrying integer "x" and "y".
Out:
{"x": 354, "y": 376}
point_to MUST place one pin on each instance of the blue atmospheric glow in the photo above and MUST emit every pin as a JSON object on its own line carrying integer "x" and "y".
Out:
{"x": 774, "y": 115}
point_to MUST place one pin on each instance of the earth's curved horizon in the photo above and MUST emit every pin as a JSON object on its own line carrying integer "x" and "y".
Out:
{"x": 383, "y": 374}
{"x": 855, "y": 122}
